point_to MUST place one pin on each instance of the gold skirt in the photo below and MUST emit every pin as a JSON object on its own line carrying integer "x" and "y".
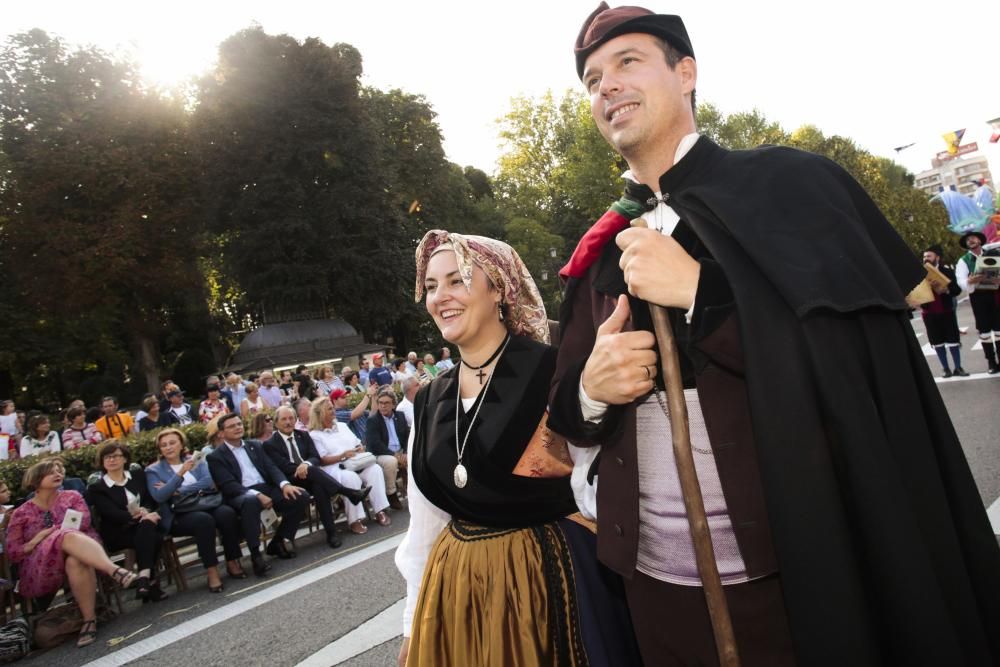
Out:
{"x": 497, "y": 597}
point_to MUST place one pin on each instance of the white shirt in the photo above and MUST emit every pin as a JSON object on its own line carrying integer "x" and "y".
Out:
{"x": 251, "y": 476}
{"x": 406, "y": 407}
{"x": 426, "y": 523}
{"x": 334, "y": 441}
{"x": 187, "y": 477}
{"x": 289, "y": 445}
{"x": 30, "y": 446}
{"x": 129, "y": 496}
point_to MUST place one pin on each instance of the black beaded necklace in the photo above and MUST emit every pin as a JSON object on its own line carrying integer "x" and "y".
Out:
{"x": 489, "y": 361}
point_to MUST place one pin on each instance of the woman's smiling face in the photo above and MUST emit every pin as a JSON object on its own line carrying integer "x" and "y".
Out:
{"x": 459, "y": 314}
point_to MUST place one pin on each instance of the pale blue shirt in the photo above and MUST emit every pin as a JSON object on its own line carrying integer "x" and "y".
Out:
{"x": 390, "y": 424}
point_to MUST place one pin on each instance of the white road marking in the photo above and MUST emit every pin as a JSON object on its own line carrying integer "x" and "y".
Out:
{"x": 994, "y": 514}
{"x": 233, "y": 609}
{"x": 928, "y": 350}
{"x": 373, "y": 632}
{"x": 978, "y": 345}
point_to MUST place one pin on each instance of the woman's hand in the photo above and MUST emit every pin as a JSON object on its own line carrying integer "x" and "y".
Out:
{"x": 38, "y": 538}
{"x": 348, "y": 454}
{"x": 151, "y": 517}
{"x": 187, "y": 466}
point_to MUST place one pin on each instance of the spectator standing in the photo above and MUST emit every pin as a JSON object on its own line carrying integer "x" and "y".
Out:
{"x": 387, "y": 433}
{"x": 939, "y": 316}
{"x": 327, "y": 381}
{"x": 234, "y": 391}
{"x": 379, "y": 374}
{"x": 40, "y": 439}
{"x": 128, "y": 516}
{"x": 399, "y": 371}
{"x": 422, "y": 373}
{"x": 269, "y": 390}
{"x": 446, "y": 361}
{"x": 79, "y": 433}
{"x": 113, "y": 424}
{"x": 212, "y": 406}
{"x": 411, "y": 363}
{"x": 48, "y": 555}
{"x": 363, "y": 372}
{"x": 177, "y": 475}
{"x": 8, "y": 418}
{"x": 356, "y": 417}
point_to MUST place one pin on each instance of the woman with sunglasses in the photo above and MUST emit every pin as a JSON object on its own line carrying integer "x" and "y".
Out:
{"x": 49, "y": 554}
{"x": 178, "y": 475}
{"x": 128, "y": 516}
{"x": 262, "y": 426}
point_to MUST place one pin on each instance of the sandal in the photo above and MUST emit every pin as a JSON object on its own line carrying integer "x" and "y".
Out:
{"x": 359, "y": 528}
{"x": 123, "y": 577}
{"x": 383, "y": 518}
{"x": 235, "y": 574}
{"x": 87, "y": 637}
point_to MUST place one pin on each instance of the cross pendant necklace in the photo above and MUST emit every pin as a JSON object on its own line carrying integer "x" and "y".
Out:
{"x": 482, "y": 374}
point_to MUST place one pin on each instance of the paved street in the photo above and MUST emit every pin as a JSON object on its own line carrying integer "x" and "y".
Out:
{"x": 342, "y": 607}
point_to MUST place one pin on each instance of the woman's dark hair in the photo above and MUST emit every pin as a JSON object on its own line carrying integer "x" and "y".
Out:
{"x": 350, "y": 376}
{"x": 33, "y": 424}
{"x": 110, "y": 447}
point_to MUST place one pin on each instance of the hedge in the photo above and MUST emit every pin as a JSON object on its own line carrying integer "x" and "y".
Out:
{"x": 80, "y": 462}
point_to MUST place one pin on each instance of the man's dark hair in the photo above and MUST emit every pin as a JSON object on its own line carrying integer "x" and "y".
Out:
{"x": 109, "y": 398}
{"x": 226, "y": 417}
{"x": 673, "y": 57}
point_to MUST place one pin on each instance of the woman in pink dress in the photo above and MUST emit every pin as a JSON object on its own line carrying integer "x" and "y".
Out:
{"x": 49, "y": 554}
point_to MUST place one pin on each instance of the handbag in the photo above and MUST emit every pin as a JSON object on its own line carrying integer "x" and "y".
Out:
{"x": 199, "y": 501}
{"x": 359, "y": 462}
{"x": 15, "y": 640}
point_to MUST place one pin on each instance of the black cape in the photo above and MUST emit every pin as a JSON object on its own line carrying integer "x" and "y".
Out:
{"x": 884, "y": 547}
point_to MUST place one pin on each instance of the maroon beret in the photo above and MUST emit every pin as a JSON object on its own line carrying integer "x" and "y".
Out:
{"x": 605, "y": 24}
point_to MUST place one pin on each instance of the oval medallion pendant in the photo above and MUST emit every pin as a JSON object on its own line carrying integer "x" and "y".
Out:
{"x": 461, "y": 476}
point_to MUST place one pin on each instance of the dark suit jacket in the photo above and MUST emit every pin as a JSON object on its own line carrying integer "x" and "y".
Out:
{"x": 277, "y": 449}
{"x": 377, "y": 436}
{"x": 226, "y": 471}
{"x": 111, "y": 505}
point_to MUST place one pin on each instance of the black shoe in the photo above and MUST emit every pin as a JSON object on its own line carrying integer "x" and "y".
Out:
{"x": 155, "y": 594}
{"x": 394, "y": 501}
{"x": 960, "y": 372}
{"x": 947, "y": 373}
{"x": 260, "y": 567}
{"x": 142, "y": 588}
{"x": 357, "y": 496}
{"x": 333, "y": 541}
{"x": 277, "y": 548}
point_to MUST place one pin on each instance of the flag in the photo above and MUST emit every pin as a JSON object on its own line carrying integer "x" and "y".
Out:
{"x": 995, "y": 124}
{"x": 953, "y": 139}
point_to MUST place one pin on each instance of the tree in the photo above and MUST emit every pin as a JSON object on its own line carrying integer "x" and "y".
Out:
{"x": 99, "y": 233}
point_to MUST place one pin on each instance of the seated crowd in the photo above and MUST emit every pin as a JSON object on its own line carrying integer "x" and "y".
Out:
{"x": 299, "y": 447}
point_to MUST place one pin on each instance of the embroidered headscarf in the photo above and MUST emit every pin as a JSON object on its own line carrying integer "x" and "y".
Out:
{"x": 525, "y": 312}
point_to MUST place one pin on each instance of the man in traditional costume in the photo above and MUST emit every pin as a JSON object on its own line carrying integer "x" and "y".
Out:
{"x": 846, "y": 524}
{"x": 984, "y": 297}
{"x": 940, "y": 319}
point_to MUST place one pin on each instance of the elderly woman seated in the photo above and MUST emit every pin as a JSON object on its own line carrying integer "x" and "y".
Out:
{"x": 336, "y": 443}
{"x": 191, "y": 505}
{"x": 50, "y": 550}
{"x": 127, "y": 515}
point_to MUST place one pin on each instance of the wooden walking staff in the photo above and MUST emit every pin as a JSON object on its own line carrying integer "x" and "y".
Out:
{"x": 694, "y": 503}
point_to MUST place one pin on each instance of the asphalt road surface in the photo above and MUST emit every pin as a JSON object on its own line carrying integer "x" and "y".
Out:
{"x": 342, "y": 607}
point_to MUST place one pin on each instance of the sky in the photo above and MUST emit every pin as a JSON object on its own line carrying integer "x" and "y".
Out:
{"x": 884, "y": 73}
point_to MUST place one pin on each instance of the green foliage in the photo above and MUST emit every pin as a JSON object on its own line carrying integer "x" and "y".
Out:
{"x": 82, "y": 462}
{"x": 541, "y": 251}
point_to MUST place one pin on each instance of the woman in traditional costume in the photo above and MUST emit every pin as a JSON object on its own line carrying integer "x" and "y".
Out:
{"x": 498, "y": 572}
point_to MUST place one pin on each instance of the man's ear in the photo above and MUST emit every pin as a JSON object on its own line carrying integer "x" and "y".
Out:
{"x": 687, "y": 70}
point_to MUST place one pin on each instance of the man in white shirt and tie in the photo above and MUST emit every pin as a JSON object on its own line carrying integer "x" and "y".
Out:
{"x": 295, "y": 455}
